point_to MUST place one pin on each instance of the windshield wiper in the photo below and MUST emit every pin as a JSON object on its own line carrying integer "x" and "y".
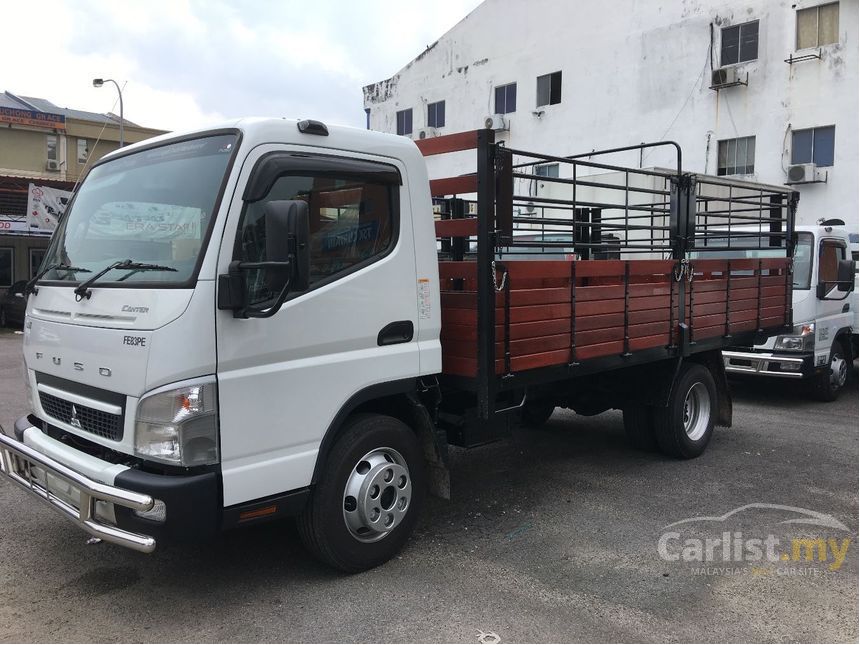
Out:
{"x": 30, "y": 287}
{"x": 83, "y": 289}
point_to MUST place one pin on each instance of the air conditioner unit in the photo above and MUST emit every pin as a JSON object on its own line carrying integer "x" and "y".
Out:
{"x": 495, "y": 122}
{"x": 803, "y": 173}
{"x": 426, "y": 133}
{"x": 725, "y": 77}
{"x": 52, "y": 165}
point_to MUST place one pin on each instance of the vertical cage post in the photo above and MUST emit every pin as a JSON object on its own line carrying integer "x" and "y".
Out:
{"x": 486, "y": 285}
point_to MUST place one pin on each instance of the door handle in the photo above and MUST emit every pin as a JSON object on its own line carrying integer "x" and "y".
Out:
{"x": 846, "y": 307}
{"x": 394, "y": 333}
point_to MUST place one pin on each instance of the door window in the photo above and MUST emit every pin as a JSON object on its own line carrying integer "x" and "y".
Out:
{"x": 828, "y": 260}
{"x": 353, "y": 222}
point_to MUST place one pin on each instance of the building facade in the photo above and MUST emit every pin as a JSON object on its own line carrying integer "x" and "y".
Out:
{"x": 757, "y": 89}
{"x": 44, "y": 144}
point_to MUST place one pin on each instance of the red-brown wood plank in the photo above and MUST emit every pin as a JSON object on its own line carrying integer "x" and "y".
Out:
{"x": 448, "y": 143}
{"x": 532, "y": 361}
{"x": 609, "y": 292}
{"x": 708, "y": 297}
{"x": 601, "y": 349}
{"x": 456, "y": 227}
{"x": 596, "y": 336}
{"x": 459, "y": 366}
{"x": 454, "y": 185}
{"x": 648, "y": 329}
{"x": 519, "y": 269}
{"x": 708, "y": 332}
{"x": 647, "y": 303}
{"x": 647, "y": 342}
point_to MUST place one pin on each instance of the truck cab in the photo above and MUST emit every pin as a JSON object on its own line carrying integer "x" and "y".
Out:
{"x": 823, "y": 342}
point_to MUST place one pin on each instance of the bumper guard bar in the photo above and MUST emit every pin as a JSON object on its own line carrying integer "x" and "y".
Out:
{"x": 17, "y": 462}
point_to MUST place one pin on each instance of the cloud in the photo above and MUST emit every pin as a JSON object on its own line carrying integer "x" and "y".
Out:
{"x": 187, "y": 63}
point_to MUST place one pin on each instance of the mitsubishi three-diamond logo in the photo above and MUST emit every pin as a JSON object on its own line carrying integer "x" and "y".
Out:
{"x": 74, "y": 421}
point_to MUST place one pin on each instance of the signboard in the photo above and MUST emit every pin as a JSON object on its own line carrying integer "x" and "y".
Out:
{"x": 12, "y": 225}
{"x": 45, "y": 207}
{"x": 33, "y": 118}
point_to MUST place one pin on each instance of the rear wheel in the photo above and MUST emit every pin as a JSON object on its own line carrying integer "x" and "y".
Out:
{"x": 683, "y": 429}
{"x": 639, "y": 426}
{"x": 829, "y": 384}
{"x": 3, "y": 320}
{"x": 534, "y": 414}
{"x": 368, "y": 499}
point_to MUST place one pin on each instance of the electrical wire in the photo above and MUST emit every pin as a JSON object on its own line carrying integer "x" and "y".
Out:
{"x": 686, "y": 101}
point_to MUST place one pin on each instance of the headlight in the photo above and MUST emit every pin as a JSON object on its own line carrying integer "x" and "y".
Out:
{"x": 179, "y": 426}
{"x": 802, "y": 338}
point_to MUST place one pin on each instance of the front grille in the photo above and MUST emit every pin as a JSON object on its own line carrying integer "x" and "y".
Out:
{"x": 101, "y": 424}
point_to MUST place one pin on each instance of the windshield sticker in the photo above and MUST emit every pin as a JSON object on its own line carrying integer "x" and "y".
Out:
{"x": 157, "y": 221}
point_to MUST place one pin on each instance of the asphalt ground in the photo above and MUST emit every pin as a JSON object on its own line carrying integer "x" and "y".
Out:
{"x": 551, "y": 536}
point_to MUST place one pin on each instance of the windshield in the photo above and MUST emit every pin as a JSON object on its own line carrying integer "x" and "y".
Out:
{"x": 154, "y": 206}
{"x": 802, "y": 253}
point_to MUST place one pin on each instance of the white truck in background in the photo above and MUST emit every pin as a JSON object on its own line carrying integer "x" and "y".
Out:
{"x": 823, "y": 344}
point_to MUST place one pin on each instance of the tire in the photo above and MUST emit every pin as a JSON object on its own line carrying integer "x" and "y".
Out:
{"x": 337, "y": 524}
{"x": 535, "y": 414}
{"x": 4, "y": 322}
{"x": 683, "y": 429}
{"x": 639, "y": 427}
{"x": 827, "y": 386}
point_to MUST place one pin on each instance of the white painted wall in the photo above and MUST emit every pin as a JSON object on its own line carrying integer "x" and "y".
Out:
{"x": 639, "y": 70}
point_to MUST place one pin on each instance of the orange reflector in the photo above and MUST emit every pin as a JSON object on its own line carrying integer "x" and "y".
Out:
{"x": 258, "y": 512}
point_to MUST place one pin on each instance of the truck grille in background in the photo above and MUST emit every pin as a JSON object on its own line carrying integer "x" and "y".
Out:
{"x": 102, "y": 424}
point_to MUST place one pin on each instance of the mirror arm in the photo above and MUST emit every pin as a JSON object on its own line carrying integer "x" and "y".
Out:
{"x": 282, "y": 296}
{"x": 826, "y": 286}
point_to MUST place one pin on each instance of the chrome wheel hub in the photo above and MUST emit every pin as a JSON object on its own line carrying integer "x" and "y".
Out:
{"x": 838, "y": 372}
{"x": 697, "y": 411}
{"x": 377, "y": 495}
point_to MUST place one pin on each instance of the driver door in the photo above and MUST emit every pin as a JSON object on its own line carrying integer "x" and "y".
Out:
{"x": 283, "y": 379}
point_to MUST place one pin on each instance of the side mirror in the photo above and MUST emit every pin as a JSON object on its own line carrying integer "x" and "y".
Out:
{"x": 842, "y": 286}
{"x": 845, "y": 274}
{"x": 287, "y": 235}
{"x": 286, "y": 267}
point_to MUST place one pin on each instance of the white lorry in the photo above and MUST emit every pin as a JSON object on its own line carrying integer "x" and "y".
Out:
{"x": 823, "y": 342}
{"x": 264, "y": 320}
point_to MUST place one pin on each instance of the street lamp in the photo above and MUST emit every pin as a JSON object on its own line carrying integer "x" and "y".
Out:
{"x": 98, "y": 82}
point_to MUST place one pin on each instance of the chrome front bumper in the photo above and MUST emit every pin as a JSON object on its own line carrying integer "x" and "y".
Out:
{"x": 765, "y": 364}
{"x": 51, "y": 481}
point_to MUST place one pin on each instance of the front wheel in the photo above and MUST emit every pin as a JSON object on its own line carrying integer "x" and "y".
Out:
{"x": 683, "y": 428}
{"x": 369, "y": 497}
{"x": 828, "y": 385}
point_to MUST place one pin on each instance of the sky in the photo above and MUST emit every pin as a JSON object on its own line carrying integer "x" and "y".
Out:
{"x": 186, "y": 63}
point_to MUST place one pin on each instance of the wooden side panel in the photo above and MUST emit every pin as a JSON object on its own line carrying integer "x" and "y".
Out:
{"x": 619, "y": 306}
